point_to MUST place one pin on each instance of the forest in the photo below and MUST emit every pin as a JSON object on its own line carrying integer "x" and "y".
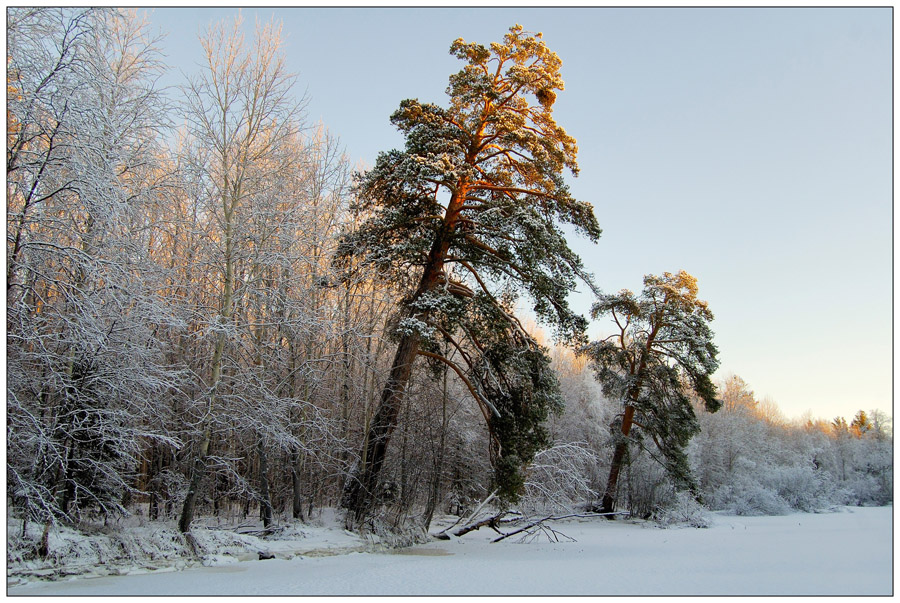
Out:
{"x": 210, "y": 312}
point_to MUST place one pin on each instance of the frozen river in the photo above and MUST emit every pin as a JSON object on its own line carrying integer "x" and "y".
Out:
{"x": 846, "y": 553}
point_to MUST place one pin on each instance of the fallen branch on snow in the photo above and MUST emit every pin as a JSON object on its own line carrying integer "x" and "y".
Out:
{"x": 442, "y": 534}
{"x": 491, "y": 522}
{"x": 264, "y": 532}
{"x": 511, "y": 517}
{"x": 539, "y": 524}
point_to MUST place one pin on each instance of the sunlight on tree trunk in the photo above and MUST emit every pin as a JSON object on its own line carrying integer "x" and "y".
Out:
{"x": 499, "y": 158}
{"x": 661, "y": 349}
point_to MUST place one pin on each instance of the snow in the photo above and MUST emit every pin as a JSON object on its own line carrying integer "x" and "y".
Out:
{"x": 843, "y": 553}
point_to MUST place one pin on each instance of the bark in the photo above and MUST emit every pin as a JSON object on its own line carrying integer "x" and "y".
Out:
{"x": 265, "y": 501}
{"x": 190, "y": 500}
{"x": 609, "y": 497}
{"x": 360, "y": 491}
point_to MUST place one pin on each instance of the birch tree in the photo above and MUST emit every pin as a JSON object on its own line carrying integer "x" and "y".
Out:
{"x": 240, "y": 110}
{"x": 84, "y": 362}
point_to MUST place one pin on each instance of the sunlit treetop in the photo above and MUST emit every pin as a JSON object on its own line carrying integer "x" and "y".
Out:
{"x": 472, "y": 209}
{"x": 661, "y": 350}
{"x": 489, "y": 97}
{"x": 478, "y": 191}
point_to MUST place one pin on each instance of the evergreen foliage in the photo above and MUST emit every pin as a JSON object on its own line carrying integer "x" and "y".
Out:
{"x": 474, "y": 203}
{"x": 661, "y": 352}
{"x": 177, "y": 331}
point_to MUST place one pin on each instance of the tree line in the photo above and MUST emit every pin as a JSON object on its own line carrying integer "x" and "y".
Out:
{"x": 209, "y": 314}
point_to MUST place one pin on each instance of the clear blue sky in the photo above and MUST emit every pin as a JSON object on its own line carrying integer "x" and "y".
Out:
{"x": 751, "y": 147}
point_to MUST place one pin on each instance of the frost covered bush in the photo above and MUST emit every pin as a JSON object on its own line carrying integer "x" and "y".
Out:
{"x": 682, "y": 509}
{"x": 746, "y": 496}
{"x": 750, "y": 462}
{"x": 747, "y": 489}
{"x": 863, "y": 490}
{"x": 870, "y": 476}
{"x": 90, "y": 548}
{"x": 646, "y": 484}
{"x": 393, "y": 535}
{"x": 805, "y": 489}
{"x": 559, "y": 478}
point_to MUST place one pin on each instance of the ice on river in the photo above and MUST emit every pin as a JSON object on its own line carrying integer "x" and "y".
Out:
{"x": 844, "y": 553}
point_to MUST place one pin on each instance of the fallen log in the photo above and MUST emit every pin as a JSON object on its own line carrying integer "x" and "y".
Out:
{"x": 442, "y": 534}
{"x": 540, "y": 522}
{"x": 491, "y": 522}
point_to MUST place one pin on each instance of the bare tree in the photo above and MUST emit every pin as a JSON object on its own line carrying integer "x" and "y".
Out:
{"x": 239, "y": 112}
{"x": 84, "y": 361}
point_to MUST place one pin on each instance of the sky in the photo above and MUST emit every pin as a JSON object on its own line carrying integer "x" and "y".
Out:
{"x": 751, "y": 147}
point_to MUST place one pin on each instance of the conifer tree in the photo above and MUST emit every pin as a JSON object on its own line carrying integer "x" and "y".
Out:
{"x": 861, "y": 423}
{"x": 469, "y": 215}
{"x": 661, "y": 349}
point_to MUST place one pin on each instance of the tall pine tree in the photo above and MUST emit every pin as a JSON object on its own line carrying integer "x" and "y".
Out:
{"x": 471, "y": 211}
{"x": 661, "y": 349}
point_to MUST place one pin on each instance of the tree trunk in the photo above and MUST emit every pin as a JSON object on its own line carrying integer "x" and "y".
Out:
{"x": 359, "y": 493}
{"x": 154, "y": 470}
{"x": 297, "y": 486}
{"x": 360, "y": 490}
{"x": 153, "y": 512}
{"x": 64, "y": 484}
{"x": 44, "y": 548}
{"x": 265, "y": 502}
{"x": 435, "y": 495}
{"x": 609, "y": 497}
{"x": 313, "y": 495}
{"x": 190, "y": 500}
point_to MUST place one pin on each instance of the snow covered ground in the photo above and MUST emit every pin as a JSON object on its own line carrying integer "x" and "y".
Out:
{"x": 844, "y": 553}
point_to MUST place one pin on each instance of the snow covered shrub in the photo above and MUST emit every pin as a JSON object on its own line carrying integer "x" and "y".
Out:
{"x": 99, "y": 549}
{"x": 871, "y": 478}
{"x": 682, "y": 509}
{"x": 393, "y": 535}
{"x": 647, "y": 482}
{"x": 862, "y": 490}
{"x": 560, "y": 478}
{"x": 805, "y": 489}
{"x": 747, "y": 496}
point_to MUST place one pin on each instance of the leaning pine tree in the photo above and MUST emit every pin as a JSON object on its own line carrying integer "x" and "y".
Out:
{"x": 660, "y": 351}
{"x": 471, "y": 211}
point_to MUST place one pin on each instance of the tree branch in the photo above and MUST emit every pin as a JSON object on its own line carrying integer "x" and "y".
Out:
{"x": 478, "y": 396}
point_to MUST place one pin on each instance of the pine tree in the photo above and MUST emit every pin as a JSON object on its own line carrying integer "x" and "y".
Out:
{"x": 662, "y": 349}
{"x": 861, "y": 423}
{"x": 468, "y": 215}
